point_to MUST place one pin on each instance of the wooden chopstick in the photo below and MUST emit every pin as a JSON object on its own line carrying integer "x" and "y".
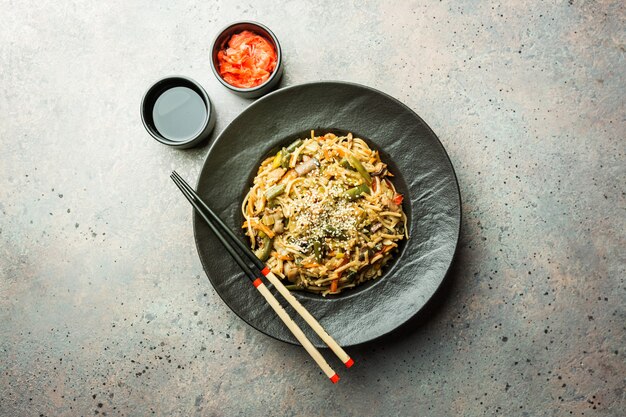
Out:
{"x": 260, "y": 286}
{"x": 265, "y": 270}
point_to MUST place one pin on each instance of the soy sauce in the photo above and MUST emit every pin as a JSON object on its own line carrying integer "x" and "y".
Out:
{"x": 179, "y": 114}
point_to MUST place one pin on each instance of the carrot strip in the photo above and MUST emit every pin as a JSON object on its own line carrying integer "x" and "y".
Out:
{"x": 387, "y": 248}
{"x": 282, "y": 257}
{"x": 289, "y": 175}
{"x": 264, "y": 229}
{"x": 261, "y": 227}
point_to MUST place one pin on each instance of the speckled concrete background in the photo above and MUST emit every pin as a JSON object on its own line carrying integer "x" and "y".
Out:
{"x": 105, "y": 309}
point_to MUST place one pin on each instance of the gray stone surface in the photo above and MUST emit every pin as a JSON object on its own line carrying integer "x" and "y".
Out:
{"x": 105, "y": 309}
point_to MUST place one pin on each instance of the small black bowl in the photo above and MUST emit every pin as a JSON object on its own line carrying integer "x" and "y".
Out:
{"x": 149, "y": 99}
{"x": 222, "y": 39}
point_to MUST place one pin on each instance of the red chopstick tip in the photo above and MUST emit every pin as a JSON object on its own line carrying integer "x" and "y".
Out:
{"x": 349, "y": 362}
{"x": 265, "y": 271}
{"x": 334, "y": 378}
{"x": 257, "y": 282}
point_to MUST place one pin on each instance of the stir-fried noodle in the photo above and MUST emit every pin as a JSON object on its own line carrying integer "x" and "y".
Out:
{"x": 323, "y": 214}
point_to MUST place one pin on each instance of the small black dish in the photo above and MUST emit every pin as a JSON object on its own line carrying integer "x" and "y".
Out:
{"x": 205, "y": 120}
{"x": 224, "y": 36}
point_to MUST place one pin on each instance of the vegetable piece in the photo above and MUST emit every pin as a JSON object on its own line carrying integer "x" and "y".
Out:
{"x": 398, "y": 199}
{"x": 307, "y": 166}
{"x": 263, "y": 253}
{"x": 247, "y": 60}
{"x": 351, "y": 275}
{"x": 274, "y": 191}
{"x": 360, "y": 168}
{"x": 284, "y": 158}
{"x": 334, "y": 283}
{"x": 289, "y": 175}
{"x": 291, "y": 272}
{"x": 268, "y": 219}
{"x": 375, "y": 184}
{"x": 392, "y": 206}
{"x": 379, "y": 169}
{"x": 344, "y": 163}
{"x": 263, "y": 228}
{"x": 294, "y": 146}
{"x": 317, "y": 250}
{"x": 278, "y": 226}
{"x": 277, "y": 159}
{"x": 354, "y": 193}
{"x": 334, "y": 232}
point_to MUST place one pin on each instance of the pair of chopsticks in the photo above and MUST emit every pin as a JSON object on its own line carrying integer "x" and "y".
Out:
{"x": 220, "y": 229}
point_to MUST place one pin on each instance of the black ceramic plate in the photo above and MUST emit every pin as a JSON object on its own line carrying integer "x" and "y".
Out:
{"x": 424, "y": 175}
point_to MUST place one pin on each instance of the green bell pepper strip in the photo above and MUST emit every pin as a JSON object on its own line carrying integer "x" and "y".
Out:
{"x": 354, "y": 193}
{"x": 360, "y": 168}
{"x": 274, "y": 191}
{"x": 263, "y": 253}
{"x": 294, "y": 145}
{"x": 317, "y": 250}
